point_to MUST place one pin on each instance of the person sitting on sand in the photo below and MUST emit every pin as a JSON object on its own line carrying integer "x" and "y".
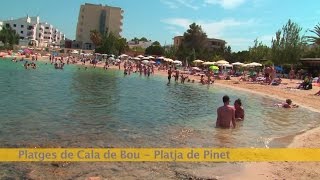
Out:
{"x": 289, "y": 104}
{"x": 226, "y": 114}
{"x": 276, "y": 81}
{"x": 239, "y": 111}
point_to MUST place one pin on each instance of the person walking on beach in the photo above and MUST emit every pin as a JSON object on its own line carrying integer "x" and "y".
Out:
{"x": 169, "y": 75}
{"x": 226, "y": 114}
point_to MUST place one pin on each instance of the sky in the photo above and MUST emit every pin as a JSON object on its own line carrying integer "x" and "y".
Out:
{"x": 238, "y": 22}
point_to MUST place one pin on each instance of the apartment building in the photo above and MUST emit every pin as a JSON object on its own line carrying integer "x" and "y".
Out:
{"x": 30, "y": 28}
{"x": 104, "y": 19}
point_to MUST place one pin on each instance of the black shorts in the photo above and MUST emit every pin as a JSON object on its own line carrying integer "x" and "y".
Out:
{"x": 169, "y": 77}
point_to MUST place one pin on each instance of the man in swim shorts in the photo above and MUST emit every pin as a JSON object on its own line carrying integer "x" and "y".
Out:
{"x": 226, "y": 114}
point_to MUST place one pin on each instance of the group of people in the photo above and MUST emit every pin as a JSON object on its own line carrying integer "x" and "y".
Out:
{"x": 227, "y": 115}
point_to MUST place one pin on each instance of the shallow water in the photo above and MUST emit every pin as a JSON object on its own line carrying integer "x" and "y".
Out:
{"x": 97, "y": 108}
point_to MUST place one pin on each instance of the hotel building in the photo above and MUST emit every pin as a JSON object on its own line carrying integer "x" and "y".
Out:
{"x": 104, "y": 19}
{"x": 30, "y": 28}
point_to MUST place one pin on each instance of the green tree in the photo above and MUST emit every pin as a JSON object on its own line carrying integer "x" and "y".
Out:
{"x": 111, "y": 44}
{"x": 315, "y": 39}
{"x": 144, "y": 39}
{"x": 95, "y": 37}
{"x": 259, "y": 51}
{"x": 9, "y": 37}
{"x": 170, "y": 52}
{"x": 287, "y": 45}
{"x": 154, "y": 50}
{"x": 156, "y": 43}
{"x": 194, "y": 44}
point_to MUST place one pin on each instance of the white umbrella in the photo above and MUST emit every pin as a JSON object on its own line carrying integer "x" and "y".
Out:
{"x": 123, "y": 55}
{"x": 198, "y": 61}
{"x": 136, "y": 58}
{"x": 111, "y": 58}
{"x": 152, "y": 62}
{"x": 209, "y": 63}
{"x": 118, "y": 60}
{"x": 253, "y": 64}
{"x": 145, "y": 58}
{"x": 150, "y": 57}
{"x": 168, "y": 59}
{"x": 177, "y": 62}
{"x": 237, "y": 64}
{"x": 75, "y": 52}
{"x": 222, "y": 62}
{"x": 145, "y": 61}
{"x": 226, "y": 65}
{"x": 196, "y": 68}
{"x": 160, "y": 57}
{"x": 140, "y": 56}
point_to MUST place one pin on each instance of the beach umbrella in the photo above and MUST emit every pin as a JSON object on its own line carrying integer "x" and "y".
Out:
{"x": 118, "y": 60}
{"x": 123, "y": 55}
{"x": 150, "y": 57}
{"x": 152, "y": 62}
{"x": 136, "y": 58}
{"x": 209, "y": 63}
{"x": 253, "y": 64}
{"x": 140, "y": 56}
{"x": 177, "y": 62}
{"x": 237, "y": 64}
{"x": 145, "y": 58}
{"x": 111, "y": 58}
{"x": 196, "y": 68}
{"x": 160, "y": 58}
{"x": 168, "y": 60}
{"x": 198, "y": 61}
{"x": 145, "y": 61}
{"x": 222, "y": 62}
{"x": 214, "y": 68}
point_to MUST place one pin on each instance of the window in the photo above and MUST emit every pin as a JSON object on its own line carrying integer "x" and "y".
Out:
{"x": 47, "y": 28}
{"x": 7, "y": 25}
{"x": 39, "y": 35}
{"x": 22, "y": 26}
{"x": 21, "y": 32}
{"x": 14, "y": 25}
{"x": 30, "y": 27}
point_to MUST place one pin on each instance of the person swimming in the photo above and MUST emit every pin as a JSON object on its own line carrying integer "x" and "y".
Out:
{"x": 288, "y": 104}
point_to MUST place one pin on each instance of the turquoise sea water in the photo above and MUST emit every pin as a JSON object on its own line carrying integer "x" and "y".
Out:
{"x": 96, "y": 108}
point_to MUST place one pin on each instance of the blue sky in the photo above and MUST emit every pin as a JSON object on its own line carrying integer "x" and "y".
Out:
{"x": 238, "y": 22}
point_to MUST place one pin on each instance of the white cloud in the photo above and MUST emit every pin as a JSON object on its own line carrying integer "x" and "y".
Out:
{"x": 217, "y": 29}
{"x": 170, "y": 4}
{"x": 173, "y": 4}
{"x": 212, "y": 28}
{"x": 226, "y": 4}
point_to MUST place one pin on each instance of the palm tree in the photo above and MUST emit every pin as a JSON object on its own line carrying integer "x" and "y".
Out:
{"x": 316, "y": 31}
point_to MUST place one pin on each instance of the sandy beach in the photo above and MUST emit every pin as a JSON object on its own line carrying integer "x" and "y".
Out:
{"x": 309, "y": 139}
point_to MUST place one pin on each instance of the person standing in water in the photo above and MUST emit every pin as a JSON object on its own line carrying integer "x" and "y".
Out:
{"x": 239, "y": 111}
{"x": 226, "y": 114}
{"x": 169, "y": 75}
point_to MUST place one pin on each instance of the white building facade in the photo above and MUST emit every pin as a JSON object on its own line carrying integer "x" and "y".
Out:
{"x": 30, "y": 28}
